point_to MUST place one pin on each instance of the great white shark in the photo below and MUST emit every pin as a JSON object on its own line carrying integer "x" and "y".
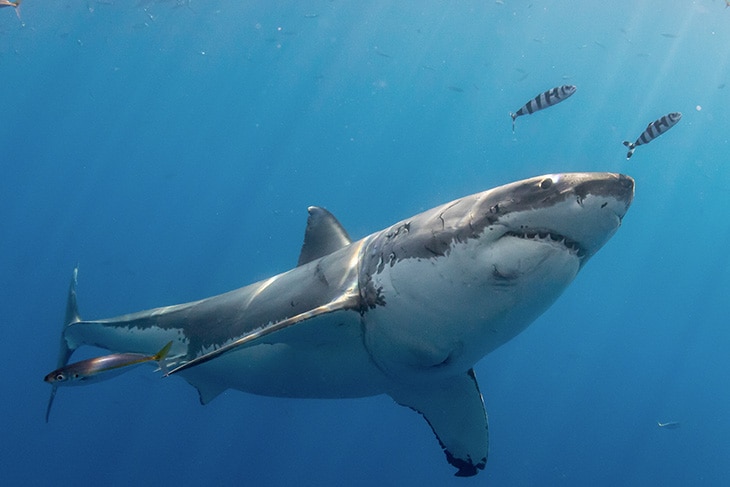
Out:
{"x": 406, "y": 311}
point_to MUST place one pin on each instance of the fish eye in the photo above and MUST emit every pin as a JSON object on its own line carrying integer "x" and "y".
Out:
{"x": 546, "y": 183}
{"x": 60, "y": 377}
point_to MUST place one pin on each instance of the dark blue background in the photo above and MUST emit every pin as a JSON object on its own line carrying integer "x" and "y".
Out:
{"x": 171, "y": 149}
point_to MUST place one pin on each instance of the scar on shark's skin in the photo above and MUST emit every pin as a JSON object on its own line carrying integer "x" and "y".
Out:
{"x": 406, "y": 311}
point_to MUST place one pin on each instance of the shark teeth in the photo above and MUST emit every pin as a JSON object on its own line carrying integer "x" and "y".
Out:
{"x": 545, "y": 236}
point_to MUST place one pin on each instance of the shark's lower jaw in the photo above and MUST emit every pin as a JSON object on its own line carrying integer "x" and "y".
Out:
{"x": 549, "y": 237}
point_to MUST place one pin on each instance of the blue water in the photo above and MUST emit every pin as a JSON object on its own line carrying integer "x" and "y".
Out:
{"x": 171, "y": 149}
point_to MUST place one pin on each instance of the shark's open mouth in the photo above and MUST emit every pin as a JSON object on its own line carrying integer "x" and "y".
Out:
{"x": 544, "y": 236}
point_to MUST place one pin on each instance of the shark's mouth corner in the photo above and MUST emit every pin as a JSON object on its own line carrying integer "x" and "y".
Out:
{"x": 553, "y": 238}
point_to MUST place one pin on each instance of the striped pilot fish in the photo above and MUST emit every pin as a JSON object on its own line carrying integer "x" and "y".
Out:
{"x": 101, "y": 368}
{"x": 543, "y": 100}
{"x": 653, "y": 130}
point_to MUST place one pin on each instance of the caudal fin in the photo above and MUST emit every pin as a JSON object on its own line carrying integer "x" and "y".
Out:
{"x": 72, "y": 316}
{"x": 17, "y": 9}
{"x": 631, "y": 147}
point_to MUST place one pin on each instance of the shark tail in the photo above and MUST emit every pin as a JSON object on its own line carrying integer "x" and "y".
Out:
{"x": 72, "y": 316}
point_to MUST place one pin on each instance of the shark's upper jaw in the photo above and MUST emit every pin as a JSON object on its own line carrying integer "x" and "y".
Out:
{"x": 578, "y": 212}
{"x": 550, "y": 238}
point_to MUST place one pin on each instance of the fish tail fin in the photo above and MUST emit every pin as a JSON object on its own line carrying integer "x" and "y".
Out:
{"x": 514, "y": 117}
{"x": 72, "y": 316}
{"x": 160, "y": 357}
{"x": 17, "y": 9}
{"x": 163, "y": 352}
{"x": 631, "y": 147}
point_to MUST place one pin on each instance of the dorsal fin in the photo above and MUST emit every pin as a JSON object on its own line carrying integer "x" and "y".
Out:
{"x": 324, "y": 235}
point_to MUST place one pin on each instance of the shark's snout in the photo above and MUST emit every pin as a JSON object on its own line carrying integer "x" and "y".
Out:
{"x": 624, "y": 191}
{"x": 618, "y": 187}
{"x": 575, "y": 211}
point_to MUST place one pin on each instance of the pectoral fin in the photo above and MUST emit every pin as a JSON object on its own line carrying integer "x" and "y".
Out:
{"x": 347, "y": 300}
{"x": 455, "y": 410}
{"x": 207, "y": 391}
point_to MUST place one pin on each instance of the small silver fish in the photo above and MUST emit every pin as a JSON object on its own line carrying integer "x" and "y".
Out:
{"x": 543, "y": 100}
{"x": 670, "y": 425}
{"x": 653, "y": 130}
{"x": 101, "y": 368}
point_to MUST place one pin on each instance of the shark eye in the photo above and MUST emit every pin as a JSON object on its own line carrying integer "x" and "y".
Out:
{"x": 546, "y": 183}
